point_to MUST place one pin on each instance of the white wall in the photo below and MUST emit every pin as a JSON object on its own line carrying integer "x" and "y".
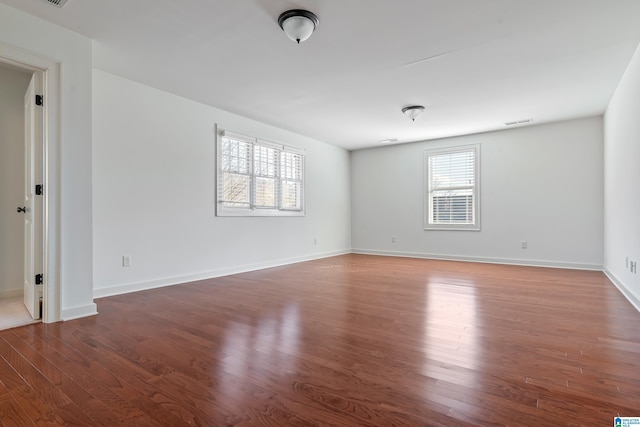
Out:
{"x": 153, "y": 193}
{"x": 541, "y": 184}
{"x": 622, "y": 182}
{"x": 13, "y": 84}
{"x": 70, "y": 159}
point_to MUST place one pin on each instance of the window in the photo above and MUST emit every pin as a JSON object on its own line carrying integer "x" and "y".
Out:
{"x": 258, "y": 178}
{"x": 452, "y": 201}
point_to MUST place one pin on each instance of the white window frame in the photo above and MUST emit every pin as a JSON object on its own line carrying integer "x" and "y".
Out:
{"x": 252, "y": 208}
{"x": 474, "y": 225}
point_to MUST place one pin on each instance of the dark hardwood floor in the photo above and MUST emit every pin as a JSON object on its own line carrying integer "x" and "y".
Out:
{"x": 352, "y": 340}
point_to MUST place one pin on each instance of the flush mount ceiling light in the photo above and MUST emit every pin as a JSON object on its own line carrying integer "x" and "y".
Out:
{"x": 298, "y": 24}
{"x": 413, "y": 111}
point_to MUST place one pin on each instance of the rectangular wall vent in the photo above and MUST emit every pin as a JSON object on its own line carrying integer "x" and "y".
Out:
{"x": 57, "y": 3}
{"x": 518, "y": 122}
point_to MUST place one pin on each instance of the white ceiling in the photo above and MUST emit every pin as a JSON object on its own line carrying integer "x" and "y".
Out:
{"x": 474, "y": 64}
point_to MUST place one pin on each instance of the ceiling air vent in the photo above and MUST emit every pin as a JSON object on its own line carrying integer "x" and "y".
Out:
{"x": 57, "y": 3}
{"x": 518, "y": 122}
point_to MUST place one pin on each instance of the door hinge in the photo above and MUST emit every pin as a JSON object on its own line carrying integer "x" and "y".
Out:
{"x": 39, "y": 100}
{"x": 38, "y": 189}
{"x": 39, "y": 279}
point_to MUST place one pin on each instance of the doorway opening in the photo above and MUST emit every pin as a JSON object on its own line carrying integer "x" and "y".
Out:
{"x": 22, "y": 214}
{"x": 48, "y": 247}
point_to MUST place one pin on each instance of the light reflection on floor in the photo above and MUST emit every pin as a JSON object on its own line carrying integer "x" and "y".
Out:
{"x": 267, "y": 343}
{"x": 451, "y": 330}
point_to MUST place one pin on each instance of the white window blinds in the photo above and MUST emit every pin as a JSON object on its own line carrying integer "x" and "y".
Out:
{"x": 258, "y": 177}
{"x": 452, "y": 199}
{"x": 291, "y": 180}
{"x": 236, "y": 173}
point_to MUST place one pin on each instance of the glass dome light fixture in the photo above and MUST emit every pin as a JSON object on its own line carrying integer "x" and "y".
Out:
{"x": 413, "y": 111}
{"x": 298, "y": 24}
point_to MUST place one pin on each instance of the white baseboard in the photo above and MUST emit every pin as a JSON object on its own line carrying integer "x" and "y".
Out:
{"x": 89, "y": 310}
{"x": 487, "y": 260}
{"x": 159, "y": 283}
{"x": 80, "y": 311}
{"x": 13, "y": 293}
{"x": 623, "y": 289}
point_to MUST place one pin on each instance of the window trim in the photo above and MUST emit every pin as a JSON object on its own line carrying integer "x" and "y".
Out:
{"x": 475, "y": 226}
{"x": 253, "y": 210}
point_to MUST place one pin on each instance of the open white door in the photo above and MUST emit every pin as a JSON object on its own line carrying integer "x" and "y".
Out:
{"x": 32, "y": 291}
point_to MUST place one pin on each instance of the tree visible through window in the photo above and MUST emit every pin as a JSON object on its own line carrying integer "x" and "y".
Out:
{"x": 258, "y": 177}
{"x": 452, "y": 200}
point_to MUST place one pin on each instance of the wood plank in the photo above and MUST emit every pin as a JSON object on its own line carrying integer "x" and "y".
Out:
{"x": 85, "y": 388}
{"x": 30, "y": 404}
{"x": 12, "y": 414}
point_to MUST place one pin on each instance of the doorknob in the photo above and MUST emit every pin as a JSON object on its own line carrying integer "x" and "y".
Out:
{"x": 22, "y": 209}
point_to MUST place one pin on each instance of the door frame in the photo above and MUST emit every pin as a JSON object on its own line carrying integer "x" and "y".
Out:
{"x": 49, "y": 71}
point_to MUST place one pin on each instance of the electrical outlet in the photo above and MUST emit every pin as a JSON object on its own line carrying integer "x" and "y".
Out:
{"x": 633, "y": 266}
{"x": 523, "y": 244}
{"x": 126, "y": 260}
{"x": 315, "y": 241}
{"x": 393, "y": 239}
